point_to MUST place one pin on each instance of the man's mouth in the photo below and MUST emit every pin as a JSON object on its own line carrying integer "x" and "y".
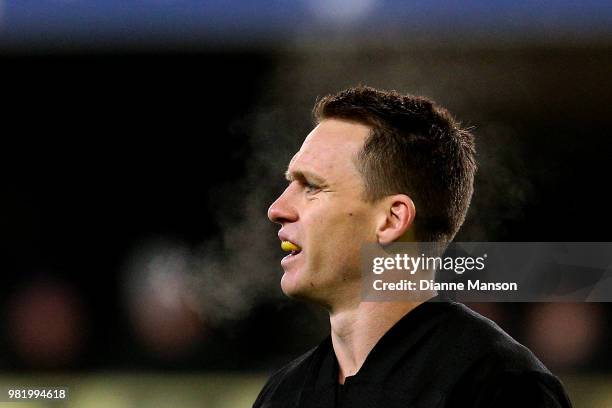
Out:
{"x": 289, "y": 246}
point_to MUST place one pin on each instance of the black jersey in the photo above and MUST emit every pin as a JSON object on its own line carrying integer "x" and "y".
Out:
{"x": 440, "y": 354}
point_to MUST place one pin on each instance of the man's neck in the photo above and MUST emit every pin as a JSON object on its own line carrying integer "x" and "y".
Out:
{"x": 356, "y": 329}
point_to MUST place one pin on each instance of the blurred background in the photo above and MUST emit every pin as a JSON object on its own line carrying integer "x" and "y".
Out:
{"x": 143, "y": 141}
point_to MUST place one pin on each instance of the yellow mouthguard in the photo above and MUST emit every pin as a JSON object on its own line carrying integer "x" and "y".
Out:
{"x": 289, "y": 246}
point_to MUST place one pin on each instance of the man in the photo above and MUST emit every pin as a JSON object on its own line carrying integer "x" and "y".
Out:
{"x": 380, "y": 167}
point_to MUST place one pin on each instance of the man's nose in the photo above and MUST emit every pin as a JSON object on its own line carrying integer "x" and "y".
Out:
{"x": 282, "y": 210}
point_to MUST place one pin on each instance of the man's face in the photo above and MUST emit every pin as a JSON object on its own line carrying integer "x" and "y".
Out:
{"x": 323, "y": 212}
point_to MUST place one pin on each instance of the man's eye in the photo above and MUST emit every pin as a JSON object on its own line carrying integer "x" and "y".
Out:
{"x": 311, "y": 188}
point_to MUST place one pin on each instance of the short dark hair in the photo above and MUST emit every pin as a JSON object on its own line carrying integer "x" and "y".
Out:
{"x": 416, "y": 148}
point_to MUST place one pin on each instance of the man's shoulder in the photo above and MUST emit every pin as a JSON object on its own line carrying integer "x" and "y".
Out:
{"x": 298, "y": 365}
{"x": 290, "y": 375}
{"x": 495, "y": 365}
{"x": 477, "y": 338}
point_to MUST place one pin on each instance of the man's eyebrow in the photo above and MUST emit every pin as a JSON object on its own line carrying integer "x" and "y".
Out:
{"x": 304, "y": 175}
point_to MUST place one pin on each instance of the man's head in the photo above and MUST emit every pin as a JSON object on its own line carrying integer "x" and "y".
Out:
{"x": 378, "y": 167}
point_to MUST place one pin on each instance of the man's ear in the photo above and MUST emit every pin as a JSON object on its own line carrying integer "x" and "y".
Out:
{"x": 396, "y": 218}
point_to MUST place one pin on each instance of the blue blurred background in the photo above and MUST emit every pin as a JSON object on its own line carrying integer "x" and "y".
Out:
{"x": 132, "y": 21}
{"x": 144, "y": 140}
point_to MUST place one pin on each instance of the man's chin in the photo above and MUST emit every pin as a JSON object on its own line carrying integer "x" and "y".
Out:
{"x": 294, "y": 287}
{"x": 303, "y": 291}
{"x": 288, "y": 284}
